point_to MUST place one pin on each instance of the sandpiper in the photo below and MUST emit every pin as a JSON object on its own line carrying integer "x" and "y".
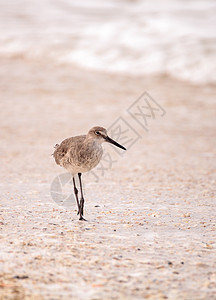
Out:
{"x": 80, "y": 154}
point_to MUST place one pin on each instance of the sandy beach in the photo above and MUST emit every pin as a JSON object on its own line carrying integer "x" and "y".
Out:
{"x": 151, "y": 216}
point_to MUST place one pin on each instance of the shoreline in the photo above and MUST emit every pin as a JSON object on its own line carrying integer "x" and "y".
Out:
{"x": 151, "y": 221}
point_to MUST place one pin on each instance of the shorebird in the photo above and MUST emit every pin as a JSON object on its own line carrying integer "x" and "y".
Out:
{"x": 80, "y": 154}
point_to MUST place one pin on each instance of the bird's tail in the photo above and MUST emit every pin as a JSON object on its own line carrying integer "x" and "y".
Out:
{"x": 55, "y": 147}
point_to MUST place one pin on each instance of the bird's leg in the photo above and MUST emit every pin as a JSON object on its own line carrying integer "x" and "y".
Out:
{"x": 81, "y": 199}
{"x": 76, "y": 195}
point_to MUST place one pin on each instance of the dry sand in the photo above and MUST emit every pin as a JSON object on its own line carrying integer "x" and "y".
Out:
{"x": 151, "y": 218}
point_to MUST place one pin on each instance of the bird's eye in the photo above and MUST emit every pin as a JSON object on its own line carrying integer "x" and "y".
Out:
{"x": 97, "y": 132}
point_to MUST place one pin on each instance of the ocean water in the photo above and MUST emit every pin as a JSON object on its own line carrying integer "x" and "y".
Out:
{"x": 169, "y": 37}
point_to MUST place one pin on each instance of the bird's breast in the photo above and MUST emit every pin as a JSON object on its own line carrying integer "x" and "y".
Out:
{"x": 90, "y": 155}
{"x": 87, "y": 156}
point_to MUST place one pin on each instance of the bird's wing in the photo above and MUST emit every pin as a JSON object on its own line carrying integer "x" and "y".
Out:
{"x": 63, "y": 153}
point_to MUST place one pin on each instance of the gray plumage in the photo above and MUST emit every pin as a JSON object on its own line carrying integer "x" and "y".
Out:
{"x": 82, "y": 153}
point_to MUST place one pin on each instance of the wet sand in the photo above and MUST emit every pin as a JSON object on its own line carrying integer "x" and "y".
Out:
{"x": 151, "y": 218}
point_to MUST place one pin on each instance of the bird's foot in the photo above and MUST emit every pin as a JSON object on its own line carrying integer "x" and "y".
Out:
{"x": 82, "y": 219}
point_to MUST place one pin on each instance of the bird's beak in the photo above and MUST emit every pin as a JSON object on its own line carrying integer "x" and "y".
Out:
{"x": 109, "y": 140}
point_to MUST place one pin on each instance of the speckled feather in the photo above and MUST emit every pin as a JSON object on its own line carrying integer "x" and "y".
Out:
{"x": 79, "y": 154}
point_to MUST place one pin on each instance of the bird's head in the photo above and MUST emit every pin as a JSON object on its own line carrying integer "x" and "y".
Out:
{"x": 100, "y": 134}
